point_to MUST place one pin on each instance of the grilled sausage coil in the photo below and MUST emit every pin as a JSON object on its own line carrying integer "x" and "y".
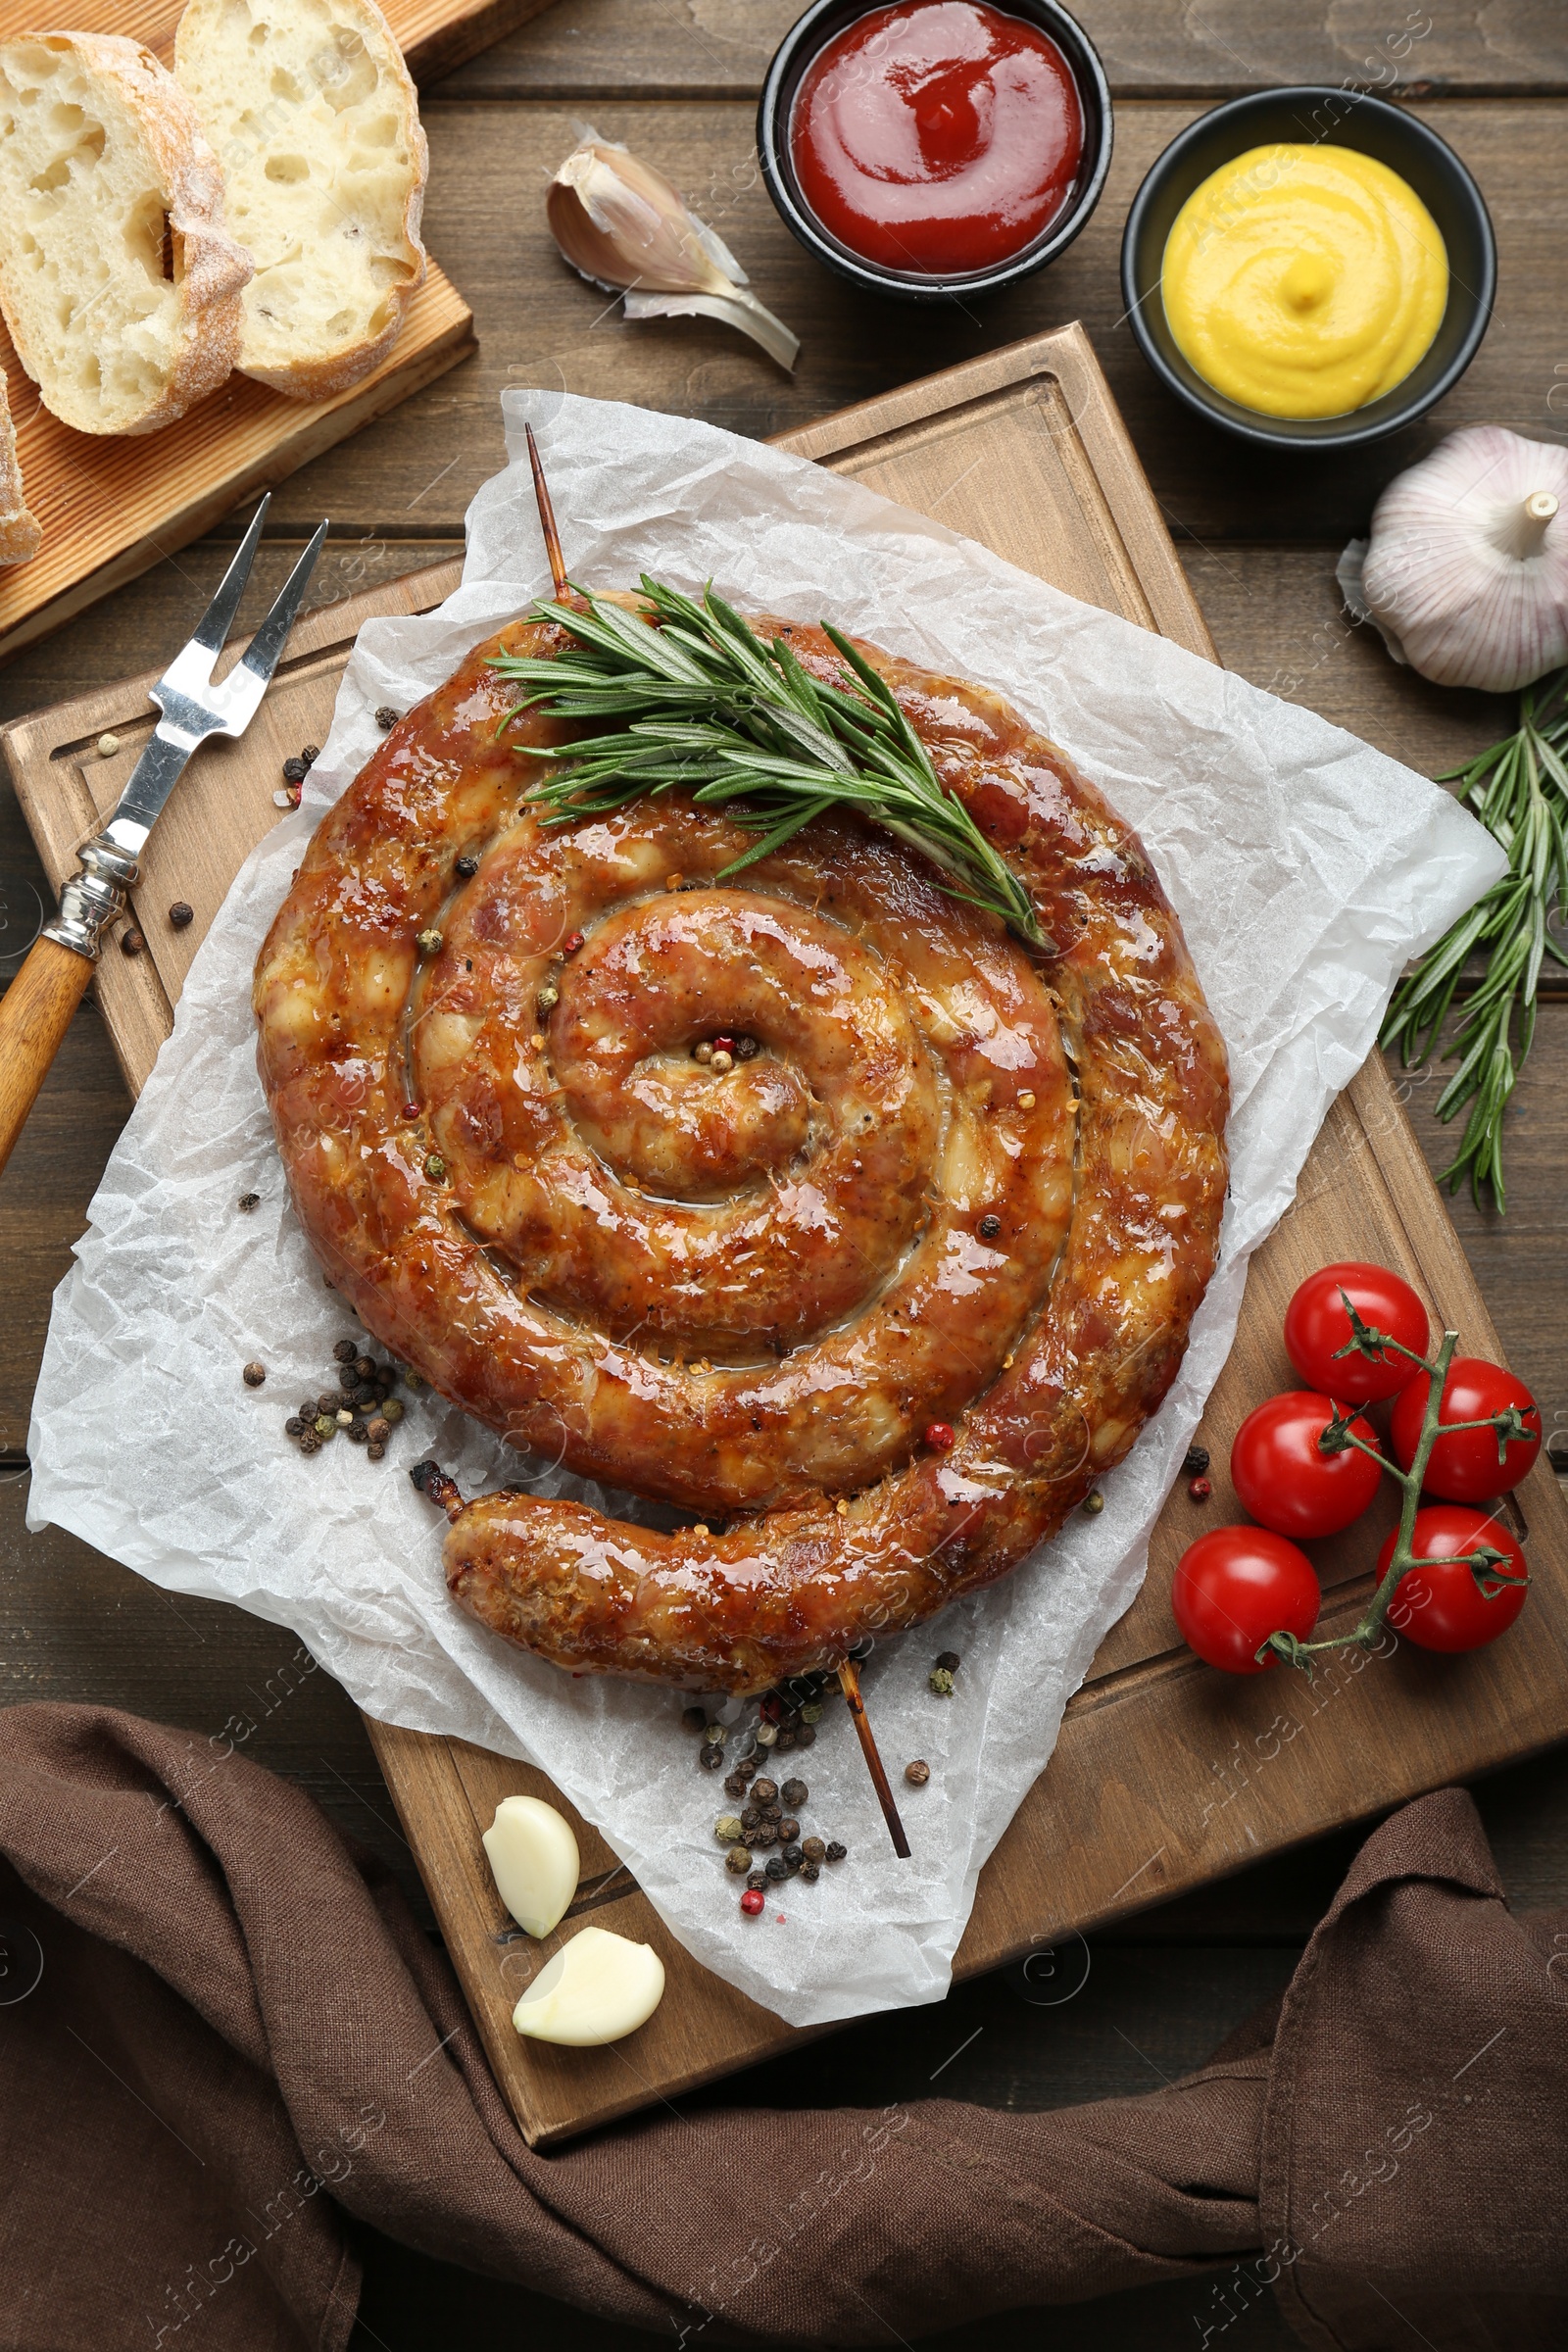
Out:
{"x": 809, "y": 1200}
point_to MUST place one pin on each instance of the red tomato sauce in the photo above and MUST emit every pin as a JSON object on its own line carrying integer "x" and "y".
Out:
{"x": 939, "y": 137}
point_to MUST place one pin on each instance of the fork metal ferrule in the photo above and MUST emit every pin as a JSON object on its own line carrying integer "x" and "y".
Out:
{"x": 94, "y": 898}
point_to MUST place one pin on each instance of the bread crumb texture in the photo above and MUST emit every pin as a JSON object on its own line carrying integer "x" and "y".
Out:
{"x": 119, "y": 285}
{"x": 315, "y": 124}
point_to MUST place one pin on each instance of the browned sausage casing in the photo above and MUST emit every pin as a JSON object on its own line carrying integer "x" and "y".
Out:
{"x": 945, "y": 1181}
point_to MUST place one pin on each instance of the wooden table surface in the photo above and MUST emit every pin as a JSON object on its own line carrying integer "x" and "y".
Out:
{"x": 676, "y": 79}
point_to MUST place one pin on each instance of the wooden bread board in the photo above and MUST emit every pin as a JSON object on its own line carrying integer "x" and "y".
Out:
{"x": 112, "y": 506}
{"x": 1166, "y": 1774}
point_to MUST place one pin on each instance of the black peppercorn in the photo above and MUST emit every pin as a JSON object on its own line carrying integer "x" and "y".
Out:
{"x": 805, "y": 1737}
{"x": 364, "y": 1366}
{"x": 346, "y": 1350}
{"x": 764, "y": 1792}
{"x": 948, "y": 1661}
{"x": 814, "y": 1848}
{"x": 310, "y": 1442}
{"x": 709, "y": 1757}
{"x": 326, "y": 1404}
{"x": 132, "y": 941}
{"x": 746, "y": 1768}
{"x": 182, "y": 913}
{"x": 777, "y": 1867}
{"x": 990, "y": 1227}
{"x": 358, "y": 1431}
{"x": 348, "y": 1378}
{"x": 764, "y": 1835}
{"x": 1196, "y": 1461}
{"x": 795, "y": 1794}
{"x": 918, "y": 1773}
{"x": 792, "y": 1856}
{"x": 787, "y": 1739}
{"x": 734, "y": 1785}
{"x": 835, "y": 1852}
{"x": 254, "y": 1375}
{"x": 811, "y": 1871}
{"x": 293, "y": 771}
{"x": 309, "y": 753}
{"x": 250, "y": 1200}
{"x": 468, "y": 868}
{"x": 386, "y": 719}
{"x": 294, "y": 1426}
{"x": 751, "y": 1819}
{"x": 375, "y": 1453}
{"x": 757, "y": 1881}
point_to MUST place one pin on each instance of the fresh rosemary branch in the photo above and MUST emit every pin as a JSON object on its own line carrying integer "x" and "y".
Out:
{"x": 704, "y": 704}
{"x": 1519, "y": 790}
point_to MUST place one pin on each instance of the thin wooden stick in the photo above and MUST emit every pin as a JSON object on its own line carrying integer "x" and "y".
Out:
{"x": 850, "y": 1684}
{"x": 547, "y": 522}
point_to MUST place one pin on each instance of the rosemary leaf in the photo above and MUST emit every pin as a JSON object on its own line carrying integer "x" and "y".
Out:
{"x": 703, "y": 705}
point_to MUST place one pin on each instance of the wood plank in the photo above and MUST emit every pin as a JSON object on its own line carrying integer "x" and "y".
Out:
{"x": 434, "y": 36}
{"x": 1163, "y": 1778}
{"x": 695, "y": 49}
{"x": 540, "y": 325}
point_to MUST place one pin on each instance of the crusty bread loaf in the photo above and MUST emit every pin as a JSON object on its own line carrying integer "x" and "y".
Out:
{"x": 317, "y": 126}
{"x": 18, "y": 530}
{"x": 120, "y": 288}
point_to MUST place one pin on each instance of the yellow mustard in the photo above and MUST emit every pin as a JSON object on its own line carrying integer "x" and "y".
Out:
{"x": 1305, "y": 281}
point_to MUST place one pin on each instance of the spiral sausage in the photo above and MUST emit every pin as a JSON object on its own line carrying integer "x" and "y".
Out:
{"x": 931, "y": 1180}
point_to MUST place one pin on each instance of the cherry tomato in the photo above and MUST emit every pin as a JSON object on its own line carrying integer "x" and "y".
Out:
{"x": 1466, "y": 1468}
{"x": 1316, "y": 1325}
{"x": 1283, "y": 1479}
{"x": 1445, "y": 1608}
{"x": 1234, "y": 1587}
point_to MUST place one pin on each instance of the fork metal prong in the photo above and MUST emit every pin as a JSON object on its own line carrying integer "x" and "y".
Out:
{"x": 248, "y": 680}
{"x": 211, "y": 630}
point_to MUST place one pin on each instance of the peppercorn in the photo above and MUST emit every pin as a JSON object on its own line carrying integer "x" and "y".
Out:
{"x": 254, "y": 1375}
{"x": 182, "y": 913}
{"x": 735, "y": 1783}
{"x": 325, "y": 1427}
{"x": 764, "y": 1792}
{"x": 294, "y": 771}
{"x": 702, "y": 1050}
{"x": 1196, "y": 1462}
{"x": 751, "y": 1901}
{"x": 108, "y": 746}
{"x": 758, "y": 1880}
{"x": 811, "y": 1871}
{"x": 250, "y": 1200}
{"x": 343, "y": 1417}
{"x": 132, "y": 941}
{"x": 940, "y": 1681}
{"x": 789, "y": 1855}
{"x": 375, "y": 1453}
{"x": 326, "y": 1404}
{"x": 738, "y": 1860}
{"x": 812, "y": 1712}
{"x": 709, "y": 1758}
{"x": 571, "y": 943}
{"x": 347, "y": 1377}
{"x": 805, "y": 1737}
{"x": 346, "y": 1350}
{"x": 727, "y": 1829}
{"x": 746, "y": 1769}
{"x": 720, "y": 1062}
{"x": 468, "y": 866}
{"x": 294, "y": 1427}
{"x": 751, "y": 1819}
{"x": 392, "y": 1410}
{"x": 310, "y": 1442}
{"x": 812, "y": 1848}
{"x": 715, "y": 1733}
{"x": 789, "y": 1829}
{"x": 777, "y": 1867}
{"x": 435, "y": 1167}
{"x": 386, "y": 719}
{"x": 1199, "y": 1490}
{"x": 1093, "y": 1504}
{"x": 795, "y": 1794}
{"x": 765, "y": 1834}
{"x": 746, "y": 1048}
{"x": 938, "y": 1436}
{"x": 310, "y": 752}
{"x": 918, "y": 1773}
{"x": 356, "y": 1433}
{"x": 1026, "y": 1100}
{"x": 546, "y": 1000}
{"x": 835, "y": 1852}
{"x": 725, "y": 1043}
{"x": 947, "y": 1660}
{"x": 429, "y": 940}
{"x": 766, "y": 1735}
{"x": 990, "y": 1227}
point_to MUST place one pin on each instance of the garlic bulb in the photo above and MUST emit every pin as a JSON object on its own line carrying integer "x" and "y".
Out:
{"x": 1466, "y": 571}
{"x": 622, "y": 226}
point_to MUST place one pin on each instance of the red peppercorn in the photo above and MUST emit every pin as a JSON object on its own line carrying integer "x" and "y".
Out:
{"x": 939, "y": 1436}
{"x": 725, "y": 1043}
{"x": 1199, "y": 1490}
{"x": 751, "y": 1901}
{"x": 571, "y": 943}
{"x": 411, "y": 1110}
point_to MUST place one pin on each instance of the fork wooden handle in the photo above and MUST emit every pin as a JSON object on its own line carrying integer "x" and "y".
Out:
{"x": 34, "y": 1014}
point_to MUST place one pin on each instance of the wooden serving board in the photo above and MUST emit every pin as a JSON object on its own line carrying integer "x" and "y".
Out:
{"x": 110, "y": 507}
{"x": 1166, "y": 1774}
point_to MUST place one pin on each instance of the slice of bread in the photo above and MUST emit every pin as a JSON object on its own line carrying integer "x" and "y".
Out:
{"x": 316, "y": 124}
{"x": 18, "y": 530}
{"x": 120, "y": 288}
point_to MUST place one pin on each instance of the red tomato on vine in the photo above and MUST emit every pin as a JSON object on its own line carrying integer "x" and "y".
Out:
{"x": 1284, "y": 1481}
{"x": 1317, "y": 1325}
{"x": 1234, "y": 1587}
{"x": 1466, "y": 1468}
{"x": 1444, "y": 1607}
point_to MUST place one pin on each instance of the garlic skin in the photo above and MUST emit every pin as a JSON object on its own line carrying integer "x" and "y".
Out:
{"x": 533, "y": 1860}
{"x": 599, "y": 1987}
{"x": 1466, "y": 571}
{"x": 622, "y": 226}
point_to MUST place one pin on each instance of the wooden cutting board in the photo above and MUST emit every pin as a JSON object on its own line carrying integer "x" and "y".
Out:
{"x": 111, "y": 507}
{"x": 1166, "y": 1774}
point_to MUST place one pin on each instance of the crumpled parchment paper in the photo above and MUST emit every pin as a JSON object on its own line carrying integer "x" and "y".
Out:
{"x": 1307, "y": 869}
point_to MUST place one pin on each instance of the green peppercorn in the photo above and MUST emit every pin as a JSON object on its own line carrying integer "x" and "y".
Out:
{"x": 429, "y": 940}
{"x": 940, "y": 1680}
{"x": 812, "y": 1711}
{"x": 325, "y": 1427}
{"x": 391, "y": 1411}
{"x": 727, "y": 1829}
{"x": 435, "y": 1167}
{"x": 738, "y": 1860}
{"x": 1093, "y": 1504}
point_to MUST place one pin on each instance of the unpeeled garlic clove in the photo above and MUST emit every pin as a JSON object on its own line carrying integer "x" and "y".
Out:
{"x": 596, "y": 1988}
{"x": 533, "y": 1860}
{"x": 1465, "y": 574}
{"x": 623, "y": 227}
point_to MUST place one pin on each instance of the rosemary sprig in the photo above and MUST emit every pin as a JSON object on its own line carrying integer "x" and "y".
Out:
{"x": 1519, "y": 790}
{"x": 704, "y": 705}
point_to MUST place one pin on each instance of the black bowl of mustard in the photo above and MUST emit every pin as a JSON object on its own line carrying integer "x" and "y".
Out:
{"x": 1312, "y": 116}
{"x": 798, "y": 53}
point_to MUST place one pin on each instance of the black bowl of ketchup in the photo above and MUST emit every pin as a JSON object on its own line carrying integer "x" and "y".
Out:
{"x": 937, "y": 148}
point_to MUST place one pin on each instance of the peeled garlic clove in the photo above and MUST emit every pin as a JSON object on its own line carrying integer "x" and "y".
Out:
{"x": 533, "y": 1860}
{"x": 596, "y": 1988}
{"x": 623, "y": 227}
{"x": 1466, "y": 569}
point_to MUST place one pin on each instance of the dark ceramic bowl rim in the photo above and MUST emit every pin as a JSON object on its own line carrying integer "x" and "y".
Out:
{"x": 1407, "y": 401}
{"x": 796, "y": 51}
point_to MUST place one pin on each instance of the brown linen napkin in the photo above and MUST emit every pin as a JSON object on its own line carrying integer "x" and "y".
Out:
{"x": 238, "y": 2030}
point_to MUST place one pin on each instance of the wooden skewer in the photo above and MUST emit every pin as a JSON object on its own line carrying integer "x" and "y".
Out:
{"x": 547, "y": 522}
{"x": 850, "y": 1684}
